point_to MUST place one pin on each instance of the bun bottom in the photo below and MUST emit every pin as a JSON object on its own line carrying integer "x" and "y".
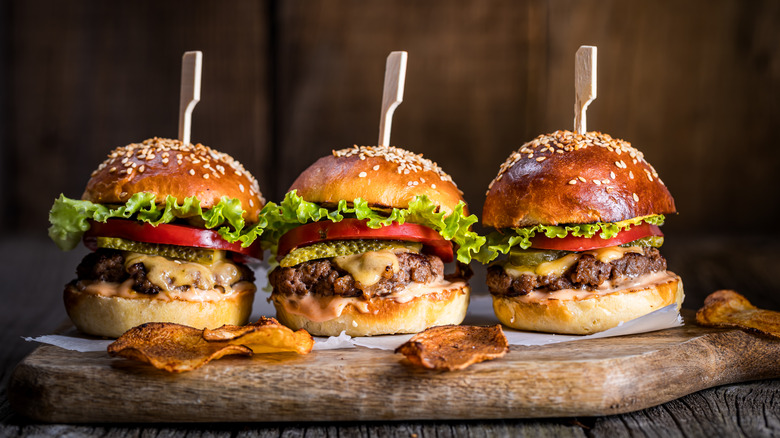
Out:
{"x": 112, "y": 316}
{"x": 385, "y": 316}
{"x": 588, "y": 315}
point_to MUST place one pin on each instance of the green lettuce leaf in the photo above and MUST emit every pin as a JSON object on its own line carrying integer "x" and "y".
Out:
{"x": 501, "y": 243}
{"x": 69, "y": 217}
{"x": 294, "y": 211}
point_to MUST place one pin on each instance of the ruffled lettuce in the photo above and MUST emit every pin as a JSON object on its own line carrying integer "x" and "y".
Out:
{"x": 498, "y": 242}
{"x": 69, "y": 218}
{"x": 294, "y": 211}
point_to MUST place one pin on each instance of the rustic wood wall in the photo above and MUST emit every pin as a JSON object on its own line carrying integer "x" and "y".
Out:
{"x": 694, "y": 84}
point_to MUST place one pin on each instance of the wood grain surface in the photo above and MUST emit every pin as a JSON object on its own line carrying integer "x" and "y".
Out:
{"x": 585, "y": 378}
{"x": 32, "y": 306}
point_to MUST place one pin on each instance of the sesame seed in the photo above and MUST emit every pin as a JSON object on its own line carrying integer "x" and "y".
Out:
{"x": 376, "y": 167}
{"x": 112, "y": 170}
{"x": 165, "y": 161}
{"x": 241, "y": 187}
{"x": 205, "y": 176}
{"x": 141, "y": 169}
{"x": 540, "y": 159}
{"x": 433, "y": 186}
{"x": 251, "y": 203}
{"x": 597, "y": 182}
{"x": 636, "y": 198}
{"x": 631, "y": 174}
{"x": 362, "y": 174}
{"x": 192, "y": 172}
{"x": 581, "y": 179}
{"x": 572, "y": 182}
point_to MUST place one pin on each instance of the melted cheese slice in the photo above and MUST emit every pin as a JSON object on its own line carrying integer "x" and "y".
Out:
{"x": 177, "y": 279}
{"x": 368, "y": 268}
{"x": 172, "y": 275}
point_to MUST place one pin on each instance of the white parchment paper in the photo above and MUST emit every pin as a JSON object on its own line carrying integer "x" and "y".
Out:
{"x": 480, "y": 313}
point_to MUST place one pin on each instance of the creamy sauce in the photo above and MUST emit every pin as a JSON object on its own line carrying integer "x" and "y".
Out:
{"x": 608, "y": 287}
{"x": 123, "y": 290}
{"x": 320, "y": 309}
{"x": 563, "y": 264}
{"x": 369, "y": 267}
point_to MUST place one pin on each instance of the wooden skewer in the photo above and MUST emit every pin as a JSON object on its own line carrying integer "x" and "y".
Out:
{"x": 393, "y": 94}
{"x": 191, "y": 64}
{"x": 584, "y": 85}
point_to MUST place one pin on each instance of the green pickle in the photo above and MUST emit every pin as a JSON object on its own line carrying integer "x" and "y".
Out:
{"x": 534, "y": 257}
{"x": 188, "y": 253}
{"x": 649, "y": 241}
{"x": 335, "y": 248}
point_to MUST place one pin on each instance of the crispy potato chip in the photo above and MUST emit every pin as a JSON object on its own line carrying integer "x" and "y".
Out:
{"x": 726, "y": 308}
{"x": 454, "y": 347}
{"x": 171, "y": 347}
{"x": 264, "y": 336}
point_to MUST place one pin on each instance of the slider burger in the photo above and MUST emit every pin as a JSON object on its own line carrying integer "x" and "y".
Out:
{"x": 363, "y": 236}
{"x": 579, "y": 217}
{"x": 169, "y": 225}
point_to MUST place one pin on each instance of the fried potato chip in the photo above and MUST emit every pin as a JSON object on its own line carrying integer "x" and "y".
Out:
{"x": 171, "y": 347}
{"x": 454, "y": 347}
{"x": 266, "y": 335}
{"x": 726, "y": 308}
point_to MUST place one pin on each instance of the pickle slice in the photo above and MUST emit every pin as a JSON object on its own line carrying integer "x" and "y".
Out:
{"x": 534, "y": 257}
{"x": 191, "y": 254}
{"x": 335, "y": 248}
{"x": 649, "y": 241}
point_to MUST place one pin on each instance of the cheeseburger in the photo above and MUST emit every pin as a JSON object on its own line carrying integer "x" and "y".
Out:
{"x": 578, "y": 216}
{"x": 362, "y": 237}
{"x": 170, "y": 225}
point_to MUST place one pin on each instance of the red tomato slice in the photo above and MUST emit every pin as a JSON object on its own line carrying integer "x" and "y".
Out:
{"x": 351, "y": 229}
{"x": 166, "y": 234}
{"x": 573, "y": 243}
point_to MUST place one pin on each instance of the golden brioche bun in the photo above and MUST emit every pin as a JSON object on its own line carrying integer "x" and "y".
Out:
{"x": 112, "y": 316}
{"x": 383, "y": 176}
{"x": 169, "y": 167}
{"x": 589, "y": 315}
{"x": 567, "y": 178}
{"x": 385, "y": 316}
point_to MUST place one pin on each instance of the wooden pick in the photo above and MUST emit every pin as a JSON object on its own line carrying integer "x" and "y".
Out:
{"x": 584, "y": 85}
{"x": 393, "y": 95}
{"x": 191, "y": 64}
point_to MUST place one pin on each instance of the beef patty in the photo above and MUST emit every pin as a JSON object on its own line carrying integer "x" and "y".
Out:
{"x": 109, "y": 265}
{"x": 324, "y": 278}
{"x": 587, "y": 273}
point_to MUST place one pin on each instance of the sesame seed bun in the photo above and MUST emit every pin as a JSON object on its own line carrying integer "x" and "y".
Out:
{"x": 588, "y": 315}
{"x": 383, "y": 176}
{"x": 169, "y": 167}
{"x": 384, "y": 315}
{"x": 567, "y": 178}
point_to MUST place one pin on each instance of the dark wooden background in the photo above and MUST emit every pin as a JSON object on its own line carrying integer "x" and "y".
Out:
{"x": 693, "y": 84}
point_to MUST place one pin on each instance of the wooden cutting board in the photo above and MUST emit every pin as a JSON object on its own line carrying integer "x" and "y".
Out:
{"x": 583, "y": 378}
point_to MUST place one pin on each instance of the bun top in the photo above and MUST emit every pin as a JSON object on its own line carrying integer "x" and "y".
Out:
{"x": 383, "y": 176}
{"x": 169, "y": 167}
{"x": 567, "y": 178}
